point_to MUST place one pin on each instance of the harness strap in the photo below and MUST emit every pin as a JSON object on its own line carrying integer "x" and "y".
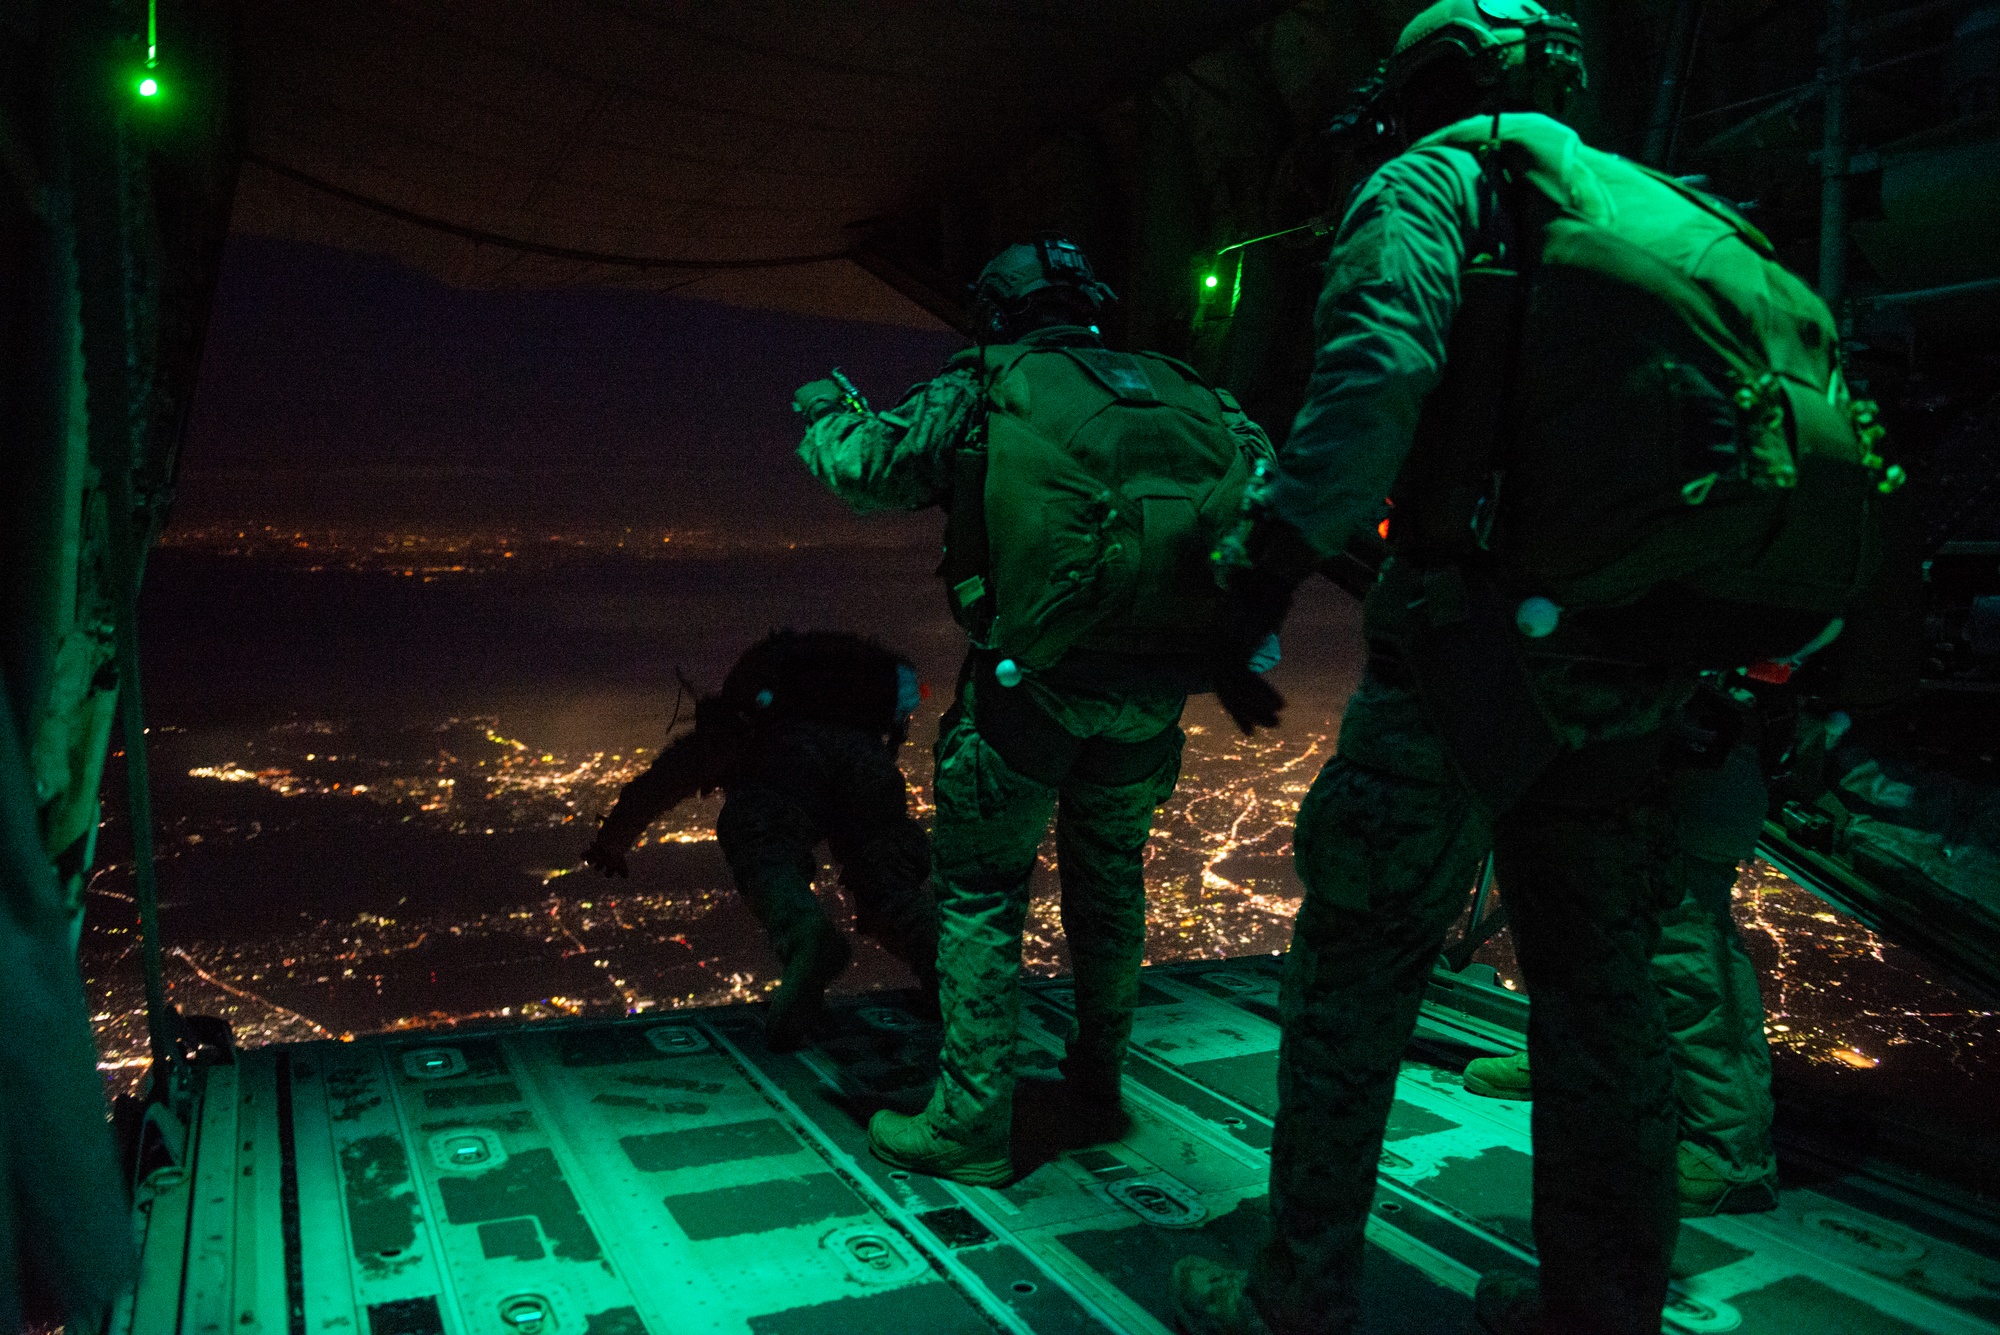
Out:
{"x": 1446, "y": 488}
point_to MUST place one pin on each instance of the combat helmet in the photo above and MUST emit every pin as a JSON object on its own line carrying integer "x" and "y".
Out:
{"x": 1468, "y": 57}
{"x": 1048, "y": 270}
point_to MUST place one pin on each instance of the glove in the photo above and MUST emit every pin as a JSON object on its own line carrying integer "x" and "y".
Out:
{"x": 607, "y": 857}
{"x": 1251, "y": 701}
{"x": 1254, "y": 609}
{"x": 816, "y": 399}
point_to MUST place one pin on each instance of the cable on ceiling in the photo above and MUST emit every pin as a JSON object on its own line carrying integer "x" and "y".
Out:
{"x": 484, "y": 237}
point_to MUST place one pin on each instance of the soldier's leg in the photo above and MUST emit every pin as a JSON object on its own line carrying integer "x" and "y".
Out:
{"x": 1715, "y": 1017}
{"x": 885, "y": 859}
{"x": 888, "y": 870}
{"x": 1583, "y": 889}
{"x": 767, "y": 829}
{"x": 1101, "y": 831}
{"x": 768, "y": 841}
{"x": 989, "y": 822}
{"x": 1722, "y": 1065}
{"x": 1387, "y": 860}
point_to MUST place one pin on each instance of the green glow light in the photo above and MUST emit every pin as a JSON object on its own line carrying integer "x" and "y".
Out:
{"x": 149, "y": 87}
{"x": 1209, "y": 281}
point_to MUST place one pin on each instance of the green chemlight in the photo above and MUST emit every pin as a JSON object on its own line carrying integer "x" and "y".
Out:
{"x": 1209, "y": 281}
{"x": 148, "y": 86}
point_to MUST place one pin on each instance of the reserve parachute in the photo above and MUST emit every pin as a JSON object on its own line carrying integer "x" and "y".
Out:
{"x": 824, "y": 676}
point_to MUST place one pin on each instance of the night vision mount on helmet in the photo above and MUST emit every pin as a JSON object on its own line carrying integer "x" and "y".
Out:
{"x": 1030, "y": 270}
{"x": 1516, "y": 54}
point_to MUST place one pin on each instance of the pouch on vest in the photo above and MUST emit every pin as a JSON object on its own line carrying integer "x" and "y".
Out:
{"x": 1107, "y": 478}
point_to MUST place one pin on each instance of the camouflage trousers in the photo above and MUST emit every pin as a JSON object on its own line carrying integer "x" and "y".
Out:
{"x": 1715, "y": 1016}
{"x": 1715, "y": 1023}
{"x": 990, "y": 822}
{"x": 1388, "y": 844}
{"x": 814, "y": 782}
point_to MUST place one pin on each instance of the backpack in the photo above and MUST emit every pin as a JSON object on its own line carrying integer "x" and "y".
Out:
{"x": 1083, "y": 515}
{"x": 824, "y": 676}
{"x": 1675, "y": 439}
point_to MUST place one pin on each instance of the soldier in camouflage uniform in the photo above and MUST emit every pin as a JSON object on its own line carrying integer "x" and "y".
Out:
{"x": 1396, "y": 826}
{"x": 1094, "y": 740}
{"x": 1708, "y": 987}
{"x": 802, "y": 739}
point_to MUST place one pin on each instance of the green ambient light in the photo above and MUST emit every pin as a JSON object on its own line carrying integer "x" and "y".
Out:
{"x": 148, "y": 86}
{"x": 1209, "y": 280}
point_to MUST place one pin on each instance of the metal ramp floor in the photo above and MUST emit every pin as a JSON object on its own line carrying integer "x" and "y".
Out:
{"x": 666, "y": 1174}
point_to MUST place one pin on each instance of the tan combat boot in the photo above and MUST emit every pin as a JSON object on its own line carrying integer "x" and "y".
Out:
{"x": 1209, "y": 1299}
{"x": 1499, "y": 1077}
{"x": 916, "y": 1143}
{"x": 1506, "y": 1302}
{"x": 1706, "y": 1189}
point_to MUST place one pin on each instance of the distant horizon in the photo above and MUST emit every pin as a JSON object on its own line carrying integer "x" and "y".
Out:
{"x": 368, "y": 542}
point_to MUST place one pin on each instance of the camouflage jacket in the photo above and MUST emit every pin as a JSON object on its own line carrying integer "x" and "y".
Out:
{"x": 1384, "y": 315}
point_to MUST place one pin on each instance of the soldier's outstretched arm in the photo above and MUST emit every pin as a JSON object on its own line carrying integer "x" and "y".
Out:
{"x": 894, "y": 460}
{"x": 692, "y": 763}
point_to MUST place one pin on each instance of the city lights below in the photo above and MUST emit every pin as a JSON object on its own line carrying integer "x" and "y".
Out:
{"x": 1219, "y": 883}
{"x": 430, "y": 556}
{"x": 421, "y": 873}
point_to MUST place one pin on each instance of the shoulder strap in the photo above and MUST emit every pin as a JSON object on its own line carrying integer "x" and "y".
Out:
{"x": 1187, "y": 372}
{"x": 966, "y": 566}
{"x": 1222, "y": 398}
{"x": 1444, "y": 489}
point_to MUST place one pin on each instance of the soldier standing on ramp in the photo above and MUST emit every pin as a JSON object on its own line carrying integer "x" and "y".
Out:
{"x": 1708, "y": 990}
{"x": 1620, "y": 450}
{"x": 1085, "y": 488}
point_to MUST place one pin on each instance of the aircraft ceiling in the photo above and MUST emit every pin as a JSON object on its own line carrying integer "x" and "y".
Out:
{"x": 740, "y": 149}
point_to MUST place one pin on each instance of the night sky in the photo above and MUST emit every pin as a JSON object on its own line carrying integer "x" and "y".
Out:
{"x": 339, "y": 386}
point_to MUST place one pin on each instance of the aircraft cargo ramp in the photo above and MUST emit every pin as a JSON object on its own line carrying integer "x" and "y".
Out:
{"x": 664, "y": 1173}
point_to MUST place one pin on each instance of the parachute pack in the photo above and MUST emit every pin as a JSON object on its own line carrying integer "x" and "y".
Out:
{"x": 1674, "y": 432}
{"x": 824, "y": 676}
{"x": 1102, "y": 482}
